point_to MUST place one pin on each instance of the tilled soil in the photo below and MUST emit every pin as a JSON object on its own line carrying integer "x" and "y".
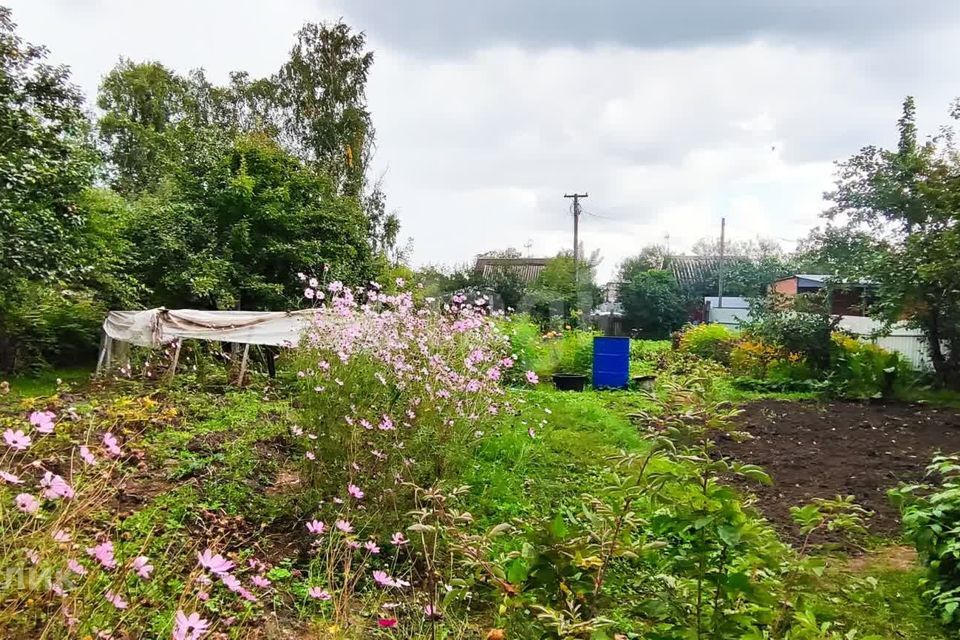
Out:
{"x": 814, "y": 450}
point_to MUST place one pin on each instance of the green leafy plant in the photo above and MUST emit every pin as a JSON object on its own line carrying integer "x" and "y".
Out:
{"x": 713, "y": 341}
{"x": 931, "y": 521}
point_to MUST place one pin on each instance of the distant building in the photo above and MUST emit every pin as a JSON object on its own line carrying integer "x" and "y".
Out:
{"x": 698, "y": 272}
{"x": 611, "y": 291}
{"x": 846, "y": 298}
{"x": 528, "y": 269}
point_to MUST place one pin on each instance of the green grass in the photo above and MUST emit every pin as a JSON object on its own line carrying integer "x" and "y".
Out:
{"x": 221, "y": 452}
{"x": 45, "y": 382}
{"x": 879, "y": 600}
{"x": 516, "y": 475}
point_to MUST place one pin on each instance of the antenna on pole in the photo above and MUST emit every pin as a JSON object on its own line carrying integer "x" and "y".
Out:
{"x": 576, "y": 231}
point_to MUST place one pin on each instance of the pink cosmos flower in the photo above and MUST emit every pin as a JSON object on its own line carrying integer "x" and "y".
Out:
{"x": 432, "y": 612}
{"x": 9, "y": 478}
{"x": 191, "y": 627}
{"x": 260, "y": 581}
{"x": 214, "y": 562}
{"x": 231, "y": 582}
{"x": 76, "y": 567}
{"x": 16, "y": 440}
{"x": 531, "y": 432}
{"x": 86, "y": 456}
{"x": 316, "y": 527}
{"x": 43, "y": 421}
{"x": 57, "y": 589}
{"x": 310, "y": 455}
{"x": 493, "y": 373}
{"x": 319, "y": 594}
{"x": 386, "y": 424}
{"x": 344, "y": 526}
{"x": 507, "y": 362}
{"x": 110, "y": 442}
{"x": 116, "y": 600}
{"x": 355, "y": 491}
{"x": 383, "y": 579}
{"x": 398, "y": 539}
{"x": 61, "y": 536}
{"x": 27, "y": 503}
{"x": 532, "y": 377}
{"x": 141, "y": 564}
{"x": 55, "y": 487}
{"x": 308, "y": 293}
{"x": 33, "y": 556}
{"x": 103, "y": 553}
{"x": 371, "y": 546}
{"x": 353, "y": 544}
{"x": 387, "y": 623}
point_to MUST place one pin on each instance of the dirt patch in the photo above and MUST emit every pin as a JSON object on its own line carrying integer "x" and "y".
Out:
{"x": 892, "y": 558}
{"x": 814, "y": 450}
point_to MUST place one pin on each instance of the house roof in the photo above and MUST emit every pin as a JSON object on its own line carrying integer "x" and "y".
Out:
{"x": 820, "y": 280}
{"x": 690, "y": 270}
{"x": 528, "y": 268}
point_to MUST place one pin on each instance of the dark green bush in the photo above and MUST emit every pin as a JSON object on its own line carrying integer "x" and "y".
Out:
{"x": 931, "y": 521}
{"x": 44, "y": 325}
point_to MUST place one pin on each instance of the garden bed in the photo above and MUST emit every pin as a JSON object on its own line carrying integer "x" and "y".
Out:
{"x": 821, "y": 450}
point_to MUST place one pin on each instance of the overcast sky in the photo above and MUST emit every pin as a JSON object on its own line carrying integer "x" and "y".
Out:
{"x": 670, "y": 114}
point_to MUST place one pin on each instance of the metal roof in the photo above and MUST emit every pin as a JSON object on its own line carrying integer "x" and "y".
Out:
{"x": 820, "y": 280}
{"x": 690, "y": 270}
{"x": 528, "y": 268}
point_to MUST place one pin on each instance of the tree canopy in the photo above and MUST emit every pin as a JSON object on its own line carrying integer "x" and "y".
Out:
{"x": 183, "y": 192}
{"x": 901, "y": 211}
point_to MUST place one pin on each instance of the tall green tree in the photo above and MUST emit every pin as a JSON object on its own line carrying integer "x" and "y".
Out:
{"x": 908, "y": 198}
{"x": 654, "y": 304}
{"x": 143, "y": 105}
{"x": 46, "y": 162}
{"x": 233, "y": 232}
{"x": 322, "y": 92}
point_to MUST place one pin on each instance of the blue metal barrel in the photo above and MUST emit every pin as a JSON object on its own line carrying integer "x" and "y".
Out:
{"x": 611, "y": 362}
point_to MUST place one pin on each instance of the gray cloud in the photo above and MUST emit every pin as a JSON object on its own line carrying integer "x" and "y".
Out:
{"x": 437, "y": 27}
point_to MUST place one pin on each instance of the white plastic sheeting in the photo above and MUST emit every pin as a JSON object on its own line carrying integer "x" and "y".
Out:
{"x": 155, "y": 327}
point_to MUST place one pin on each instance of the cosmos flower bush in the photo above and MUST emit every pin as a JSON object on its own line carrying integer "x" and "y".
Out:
{"x": 394, "y": 393}
{"x": 394, "y": 396}
{"x": 55, "y": 570}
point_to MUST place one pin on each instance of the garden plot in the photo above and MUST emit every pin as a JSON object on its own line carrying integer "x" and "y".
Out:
{"x": 840, "y": 448}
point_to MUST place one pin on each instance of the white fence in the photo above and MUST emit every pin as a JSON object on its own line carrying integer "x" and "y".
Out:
{"x": 908, "y": 342}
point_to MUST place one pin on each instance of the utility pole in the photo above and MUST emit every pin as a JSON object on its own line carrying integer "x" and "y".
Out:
{"x": 723, "y": 228}
{"x": 576, "y": 234}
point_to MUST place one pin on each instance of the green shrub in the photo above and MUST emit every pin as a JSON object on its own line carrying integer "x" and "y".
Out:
{"x": 931, "y": 521}
{"x": 712, "y": 341}
{"x": 862, "y": 369}
{"x": 570, "y": 353}
{"x": 803, "y": 328}
{"x": 526, "y": 345}
{"x": 43, "y": 325}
